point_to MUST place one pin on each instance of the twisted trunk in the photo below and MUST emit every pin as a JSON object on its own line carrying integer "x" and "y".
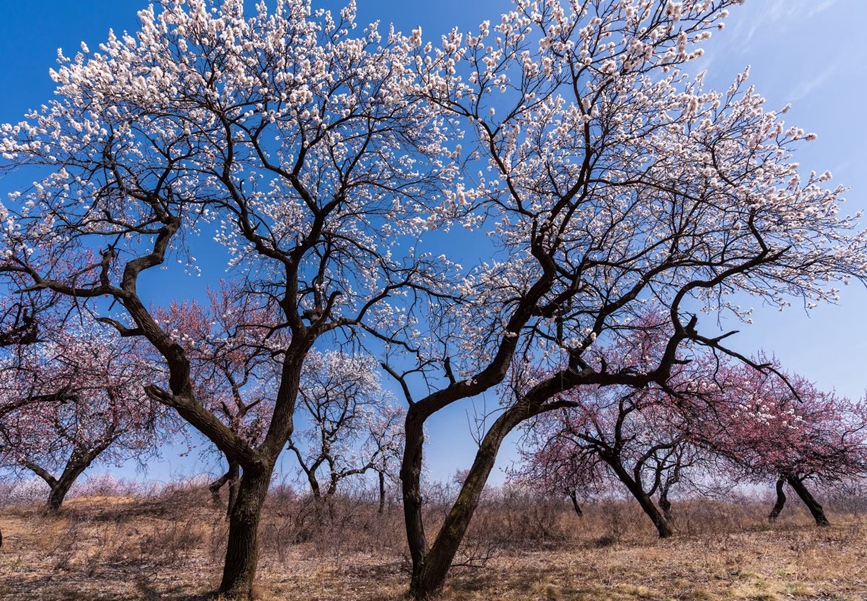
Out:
{"x": 781, "y": 500}
{"x": 812, "y": 504}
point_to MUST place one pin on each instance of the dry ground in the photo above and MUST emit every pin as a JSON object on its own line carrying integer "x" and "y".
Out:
{"x": 115, "y": 548}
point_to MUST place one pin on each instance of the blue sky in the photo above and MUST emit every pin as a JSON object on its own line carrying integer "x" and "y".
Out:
{"x": 810, "y": 53}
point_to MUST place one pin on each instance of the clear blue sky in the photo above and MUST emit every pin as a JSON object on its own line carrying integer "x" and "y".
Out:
{"x": 811, "y": 53}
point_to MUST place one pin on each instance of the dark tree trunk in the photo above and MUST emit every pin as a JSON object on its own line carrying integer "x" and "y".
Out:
{"x": 75, "y": 466}
{"x": 429, "y": 574}
{"x": 574, "y": 497}
{"x": 381, "y": 493}
{"x": 232, "y": 477}
{"x": 781, "y": 500}
{"x": 58, "y": 493}
{"x": 665, "y": 506}
{"x": 812, "y": 504}
{"x": 242, "y": 549}
{"x": 234, "y": 483}
{"x": 663, "y": 527}
{"x": 410, "y": 476}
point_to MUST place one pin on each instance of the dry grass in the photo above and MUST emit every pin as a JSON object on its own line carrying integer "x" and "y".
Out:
{"x": 170, "y": 548}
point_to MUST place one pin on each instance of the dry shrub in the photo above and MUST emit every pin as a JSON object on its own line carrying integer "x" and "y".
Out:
{"x": 343, "y": 524}
{"x": 177, "y": 535}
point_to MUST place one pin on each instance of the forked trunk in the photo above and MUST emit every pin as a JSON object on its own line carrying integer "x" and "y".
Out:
{"x": 78, "y": 461}
{"x": 232, "y": 478}
{"x": 812, "y": 504}
{"x": 428, "y": 575}
{"x": 663, "y": 527}
{"x": 58, "y": 494}
{"x": 242, "y": 549}
{"x": 781, "y": 500}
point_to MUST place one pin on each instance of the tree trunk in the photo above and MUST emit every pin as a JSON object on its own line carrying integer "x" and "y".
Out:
{"x": 381, "y": 493}
{"x": 58, "y": 494}
{"x": 574, "y": 497}
{"x": 410, "y": 476}
{"x": 665, "y": 506}
{"x": 75, "y": 466}
{"x": 812, "y": 504}
{"x": 781, "y": 500}
{"x": 234, "y": 483}
{"x": 663, "y": 527}
{"x": 232, "y": 478}
{"x": 242, "y": 549}
{"x": 429, "y": 575}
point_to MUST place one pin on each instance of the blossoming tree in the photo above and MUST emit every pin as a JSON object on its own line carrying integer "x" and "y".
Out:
{"x": 73, "y": 398}
{"x": 320, "y": 157}
{"x": 295, "y": 142}
{"x": 643, "y": 438}
{"x": 352, "y": 425}
{"x": 607, "y": 177}
{"x": 233, "y": 344}
{"x": 771, "y": 428}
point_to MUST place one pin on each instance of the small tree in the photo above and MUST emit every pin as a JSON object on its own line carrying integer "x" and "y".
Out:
{"x": 233, "y": 344}
{"x": 773, "y": 426}
{"x": 642, "y": 438}
{"x": 71, "y": 399}
{"x": 352, "y": 423}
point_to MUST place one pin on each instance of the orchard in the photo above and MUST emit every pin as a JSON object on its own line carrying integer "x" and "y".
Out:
{"x": 552, "y": 208}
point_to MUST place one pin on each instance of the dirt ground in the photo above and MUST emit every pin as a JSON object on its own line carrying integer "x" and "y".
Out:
{"x": 110, "y": 548}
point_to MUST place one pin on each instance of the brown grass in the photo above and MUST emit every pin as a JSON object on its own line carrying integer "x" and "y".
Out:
{"x": 170, "y": 548}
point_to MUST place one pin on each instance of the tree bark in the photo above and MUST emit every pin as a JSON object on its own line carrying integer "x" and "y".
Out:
{"x": 429, "y": 575}
{"x": 242, "y": 549}
{"x": 61, "y": 488}
{"x": 665, "y": 506}
{"x": 663, "y": 527}
{"x": 574, "y": 497}
{"x": 410, "y": 476}
{"x": 232, "y": 478}
{"x": 812, "y": 504}
{"x": 234, "y": 483}
{"x": 781, "y": 500}
{"x": 381, "y": 493}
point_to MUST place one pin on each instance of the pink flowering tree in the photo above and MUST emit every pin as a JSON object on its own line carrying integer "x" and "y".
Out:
{"x": 74, "y": 398}
{"x": 643, "y": 438}
{"x": 549, "y": 467}
{"x": 632, "y": 435}
{"x": 233, "y": 343}
{"x": 776, "y": 426}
